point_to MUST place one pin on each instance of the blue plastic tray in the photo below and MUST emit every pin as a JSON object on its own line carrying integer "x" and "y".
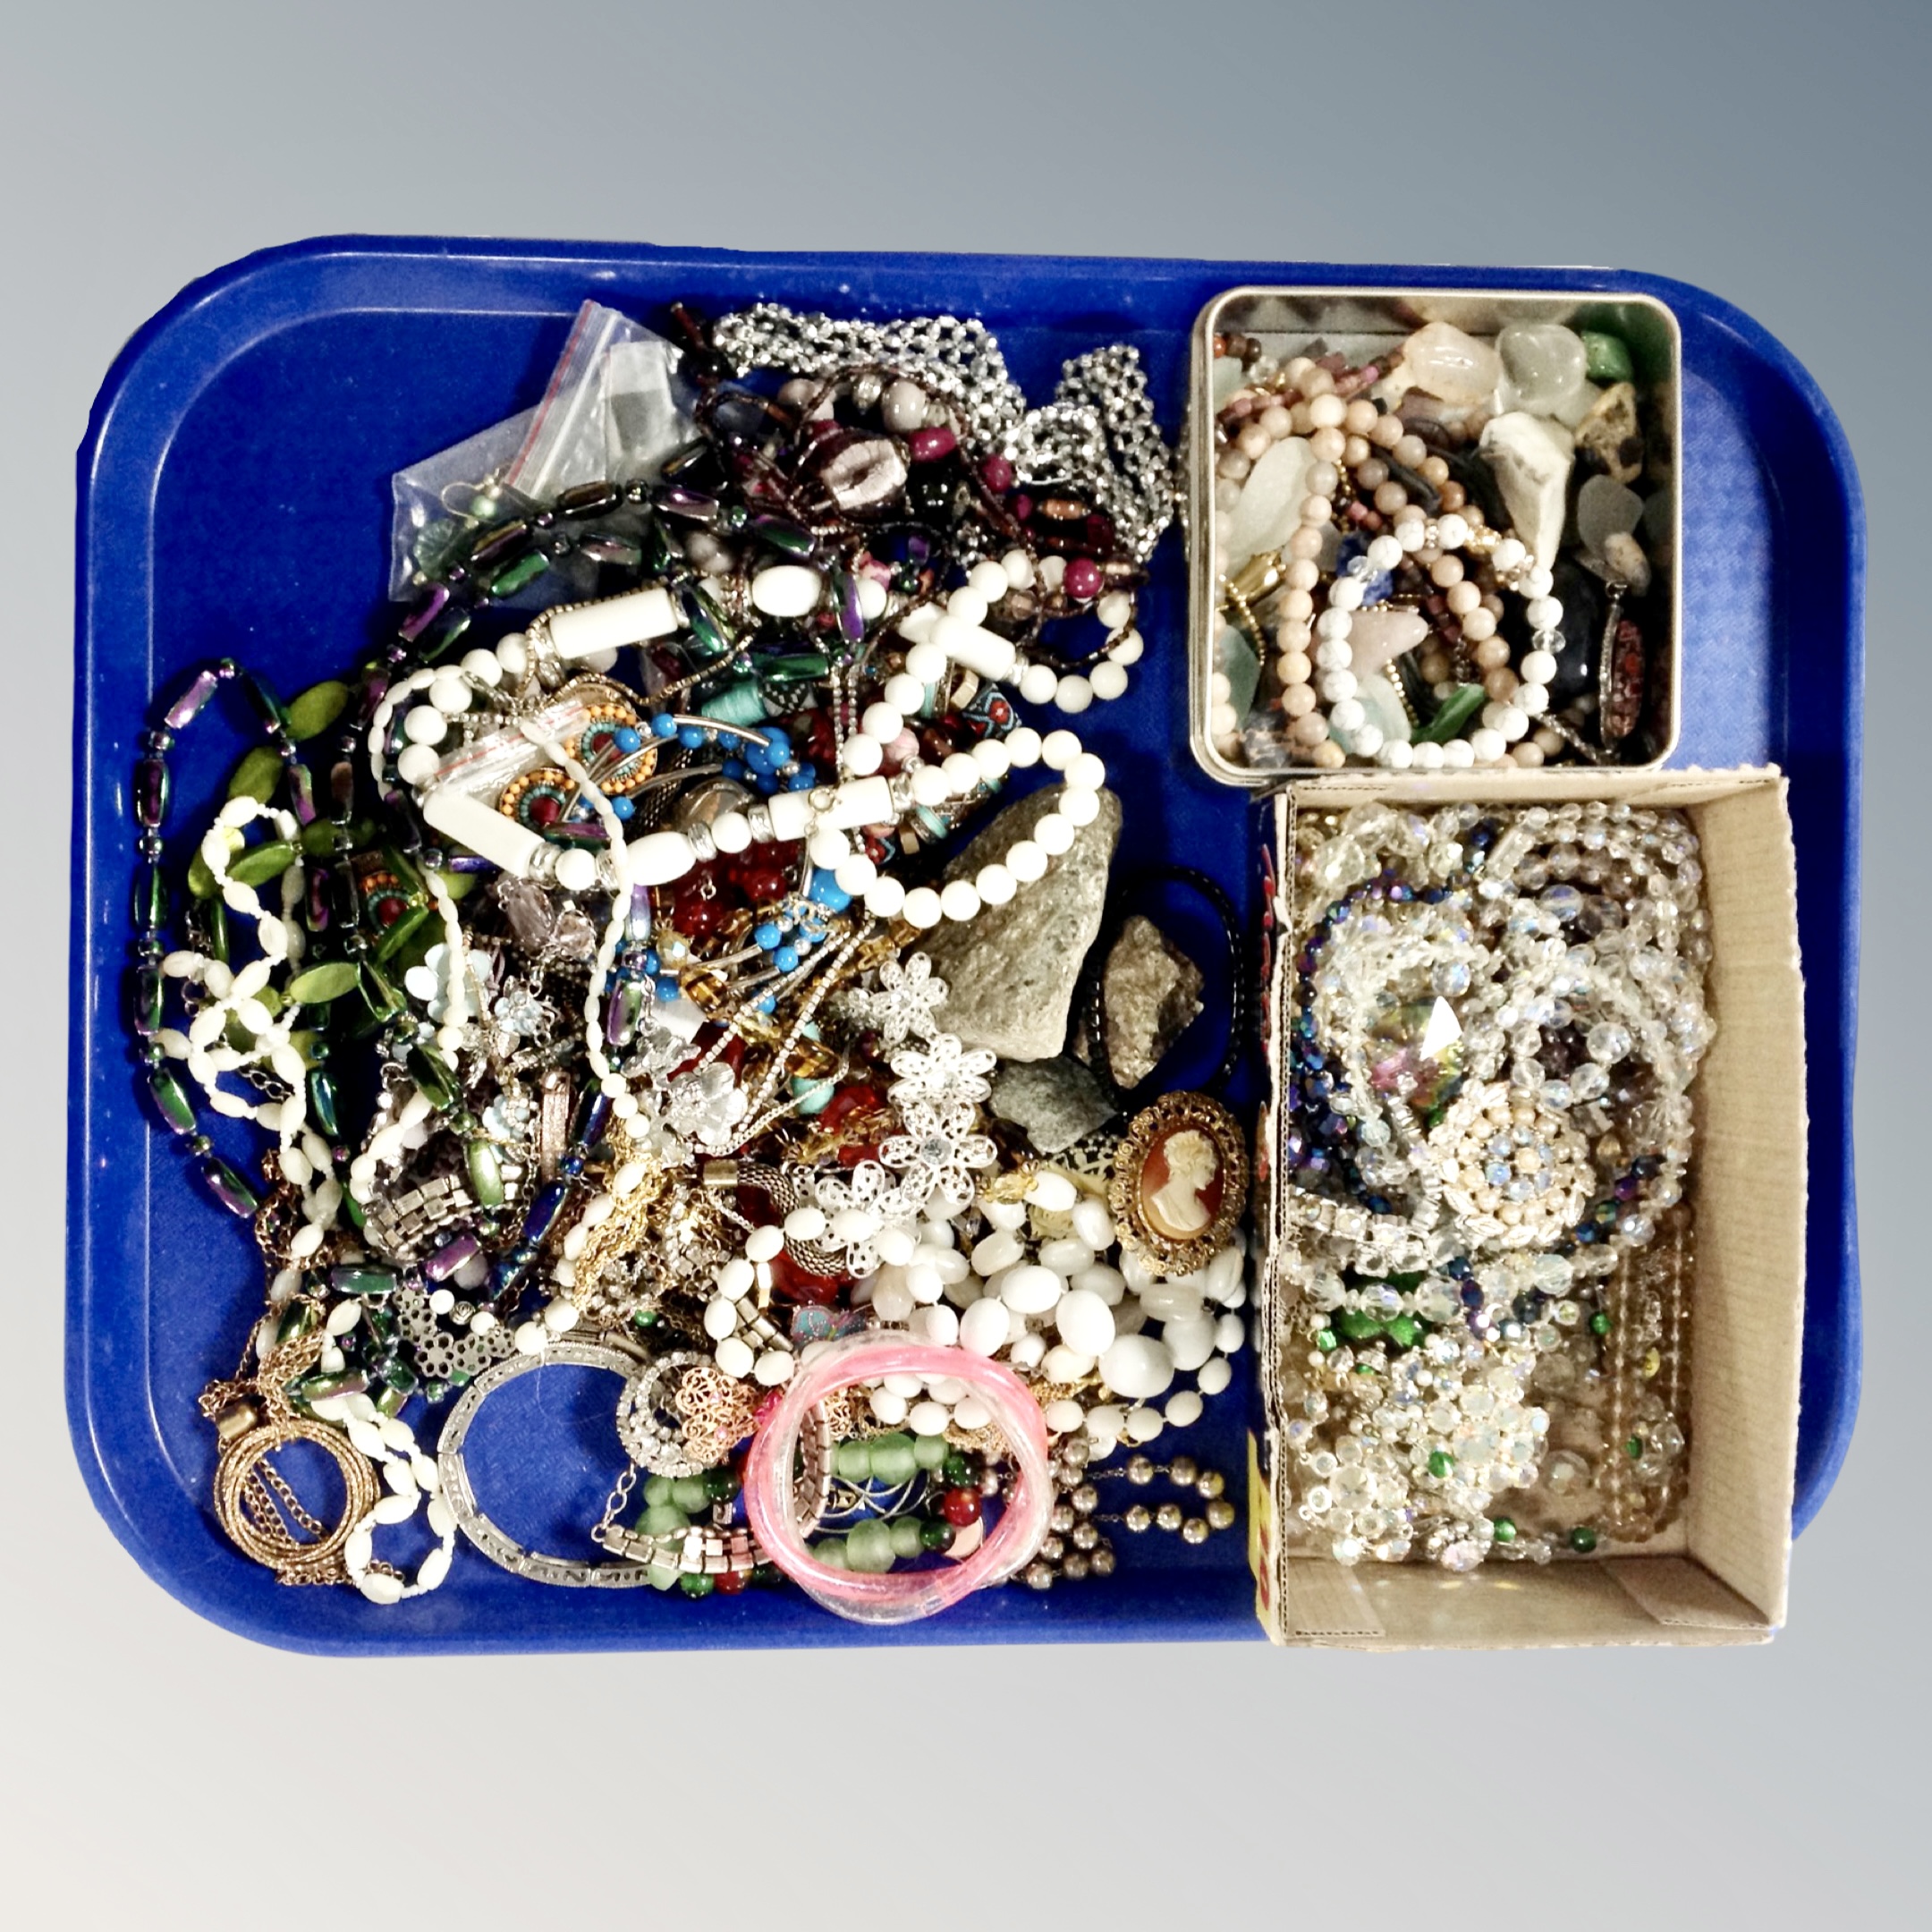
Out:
{"x": 233, "y": 500}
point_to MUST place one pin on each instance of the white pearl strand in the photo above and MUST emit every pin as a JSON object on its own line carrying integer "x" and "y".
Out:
{"x": 413, "y": 1480}
{"x": 304, "y": 1157}
{"x": 1502, "y": 723}
{"x": 958, "y": 634}
{"x": 388, "y": 1443}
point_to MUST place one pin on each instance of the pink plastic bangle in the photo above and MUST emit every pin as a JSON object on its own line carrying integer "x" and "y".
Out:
{"x": 902, "y": 1597}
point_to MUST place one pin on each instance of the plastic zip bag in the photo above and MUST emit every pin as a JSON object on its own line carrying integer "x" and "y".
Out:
{"x": 615, "y": 406}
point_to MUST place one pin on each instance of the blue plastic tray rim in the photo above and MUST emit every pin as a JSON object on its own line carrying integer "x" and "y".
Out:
{"x": 153, "y": 384}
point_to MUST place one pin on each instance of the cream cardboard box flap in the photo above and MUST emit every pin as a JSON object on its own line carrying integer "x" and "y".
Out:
{"x": 1719, "y": 1575}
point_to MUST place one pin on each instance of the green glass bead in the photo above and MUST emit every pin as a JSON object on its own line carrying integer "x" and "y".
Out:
{"x": 766, "y": 1575}
{"x": 260, "y": 863}
{"x": 1404, "y": 1330}
{"x": 317, "y": 985}
{"x": 868, "y": 1548}
{"x": 266, "y": 704}
{"x": 433, "y": 1076}
{"x": 153, "y": 788}
{"x": 696, "y": 1583}
{"x": 929, "y": 1452}
{"x": 322, "y": 1104}
{"x": 852, "y": 1460}
{"x": 794, "y": 667}
{"x": 405, "y": 929}
{"x": 831, "y": 1551}
{"x": 1582, "y": 1539}
{"x": 906, "y": 1539}
{"x": 619, "y": 551}
{"x": 710, "y": 634}
{"x": 1606, "y": 358}
{"x": 663, "y": 1576}
{"x": 1633, "y": 1448}
{"x": 149, "y": 1001}
{"x": 314, "y": 710}
{"x": 150, "y": 898}
{"x": 936, "y": 1534}
{"x": 720, "y": 1485}
{"x": 172, "y": 1098}
{"x": 1599, "y": 1323}
{"x": 658, "y": 554}
{"x": 1440, "y": 1462}
{"x": 656, "y": 1489}
{"x": 400, "y": 1376}
{"x": 960, "y": 1468}
{"x": 782, "y": 534}
{"x": 1504, "y": 1529}
{"x": 379, "y": 996}
{"x": 319, "y": 1387}
{"x": 216, "y": 923}
{"x": 486, "y": 1173}
{"x": 356, "y": 1280}
{"x": 229, "y": 1187}
{"x": 443, "y": 636}
{"x": 689, "y": 1495}
{"x": 1456, "y": 710}
{"x": 663, "y": 1519}
{"x": 1327, "y": 1341}
{"x": 257, "y": 776}
{"x": 392, "y": 1402}
{"x": 299, "y": 1319}
{"x": 893, "y": 1459}
{"x": 1357, "y": 1324}
{"x": 526, "y": 570}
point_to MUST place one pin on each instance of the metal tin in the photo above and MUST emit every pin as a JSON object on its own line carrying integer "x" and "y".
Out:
{"x": 1359, "y": 321}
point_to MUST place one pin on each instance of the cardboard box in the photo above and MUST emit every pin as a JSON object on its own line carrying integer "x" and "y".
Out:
{"x": 1719, "y": 1575}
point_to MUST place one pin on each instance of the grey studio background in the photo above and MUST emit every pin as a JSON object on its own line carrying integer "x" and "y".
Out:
{"x": 155, "y": 1772}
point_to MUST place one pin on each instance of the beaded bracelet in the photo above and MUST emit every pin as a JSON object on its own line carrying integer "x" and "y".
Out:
{"x": 902, "y": 1597}
{"x": 1397, "y": 514}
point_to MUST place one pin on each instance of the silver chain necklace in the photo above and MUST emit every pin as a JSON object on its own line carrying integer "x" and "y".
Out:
{"x": 1097, "y": 435}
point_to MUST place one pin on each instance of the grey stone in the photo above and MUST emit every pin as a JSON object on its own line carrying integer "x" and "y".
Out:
{"x": 1611, "y": 436}
{"x": 1054, "y": 1103}
{"x": 1010, "y": 973}
{"x": 1151, "y": 995}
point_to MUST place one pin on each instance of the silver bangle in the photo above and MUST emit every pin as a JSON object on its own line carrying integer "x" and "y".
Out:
{"x": 499, "y": 1547}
